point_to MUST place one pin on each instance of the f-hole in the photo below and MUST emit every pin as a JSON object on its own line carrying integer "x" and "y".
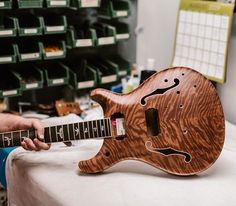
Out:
{"x": 160, "y": 91}
{"x": 152, "y": 122}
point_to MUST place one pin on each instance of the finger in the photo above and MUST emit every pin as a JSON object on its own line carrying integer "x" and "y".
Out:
{"x": 24, "y": 145}
{"x": 30, "y": 144}
{"x": 38, "y": 126}
{"x": 41, "y": 145}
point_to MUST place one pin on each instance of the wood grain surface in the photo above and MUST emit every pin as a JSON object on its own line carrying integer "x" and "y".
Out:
{"x": 191, "y": 122}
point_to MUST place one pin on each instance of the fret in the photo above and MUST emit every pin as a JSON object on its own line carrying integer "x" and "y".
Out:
{"x": 47, "y": 136}
{"x": 85, "y": 130}
{"x": 60, "y": 133}
{"x": 76, "y": 131}
{"x": 71, "y": 132}
{"x": 24, "y": 134}
{"x": 109, "y": 127}
{"x": 90, "y": 125}
{"x": 1, "y": 141}
{"x": 102, "y": 128}
{"x": 7, "y": 139}
{"x": 81, "y": 130}
{"x": 105, "y": 127}
{"x": 98, "y": 128}
{"x": 16, "y": 138}
{"x": 53, "y": 134}
{"x": 32, "y": 134}
{"x": 12, "y": 143}
{"x": 93, "y": 129}
{"x": 66, "y": 133}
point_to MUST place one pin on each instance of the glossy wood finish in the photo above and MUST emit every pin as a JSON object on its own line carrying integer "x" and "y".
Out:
{"x": 191, "y": 124}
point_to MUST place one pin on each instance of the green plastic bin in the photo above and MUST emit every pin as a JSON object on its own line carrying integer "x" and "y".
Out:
{"x": 8, "y": 26}
{"x": 81, "y": 38}
{"x": 82, "y": 75}
{"x": 54, "y": 24}
{"x": 6, "y": 89}
{"x": 56, "y": 74}
{"x": 57, "y": 3}
{"x": 8, "y": 53}
{"x": 105, "y": 34}
{"x": 29, "y": 25}
{"x": 28, "y": 51}
{"x": 30, "y": 76}
{"x": 124, "y": 66}
{"x": 28, "y": 4}
{"x": 53, "y": 49}
{"x": 85, "y": 3}
{"x": 5, "y": 4}
{"x": 122, "y": 30}
{"x": 106, "y": 72}
{"x": 114, "y": 9}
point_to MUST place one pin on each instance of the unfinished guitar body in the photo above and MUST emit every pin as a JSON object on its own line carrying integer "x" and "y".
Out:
{"x": 173, "y": 121}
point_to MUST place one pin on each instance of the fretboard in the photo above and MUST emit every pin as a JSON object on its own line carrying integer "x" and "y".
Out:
{"x": 95, "y": 129}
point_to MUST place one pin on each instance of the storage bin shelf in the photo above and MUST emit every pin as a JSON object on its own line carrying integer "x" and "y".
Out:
{"x": 5, "y": 4}
{"x": 8, "y": 53}
{"x": 8, "y": 27}
{"x": 53, "y": 49}
{"x": 29, "y": 51}
{"x": 105, "y": 34}
{"x": 81, "y": 38}
{"x": 82, "y": 75}
{"x": 6, "y": 89}
{"x": 30, "y": 76}
{"x": 106, "y": 72}
{"x": 124, "y": 66}
{"x": 114, "y": 9}
{"x": 56, "y": 74}
{"x": 29, "y": 25}
{"x": 54, "y": 24}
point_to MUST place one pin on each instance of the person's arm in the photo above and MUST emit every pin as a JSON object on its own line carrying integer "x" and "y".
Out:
{"x": 10, "y": 122}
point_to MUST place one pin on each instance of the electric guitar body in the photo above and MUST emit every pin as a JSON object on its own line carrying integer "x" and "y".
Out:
{"x": 174, "y": 121}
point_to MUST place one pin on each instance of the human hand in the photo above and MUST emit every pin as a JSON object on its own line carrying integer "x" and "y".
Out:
{"x": 9, "y": 122}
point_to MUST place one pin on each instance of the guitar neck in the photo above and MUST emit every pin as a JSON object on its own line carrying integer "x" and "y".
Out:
{"x": 95, "y": 129}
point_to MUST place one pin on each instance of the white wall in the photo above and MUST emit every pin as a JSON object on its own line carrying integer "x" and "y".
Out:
{"x": 227, "y": 91}
{"x": 156, "y": 31}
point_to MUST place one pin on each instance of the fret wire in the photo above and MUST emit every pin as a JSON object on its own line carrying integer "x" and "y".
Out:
{"x": 28, "y": 134}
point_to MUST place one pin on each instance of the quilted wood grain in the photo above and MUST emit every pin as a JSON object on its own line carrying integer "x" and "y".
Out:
{"x": 191, "y": 121}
